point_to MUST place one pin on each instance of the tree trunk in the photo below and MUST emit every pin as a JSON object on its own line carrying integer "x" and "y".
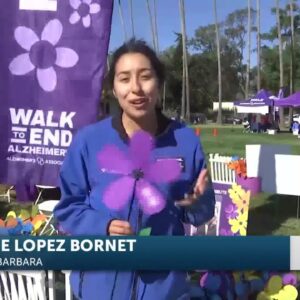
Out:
{"x": 185, "y": 77}
{"x": 152, "y": 26}
{"x": 164, "y": 96}
{"x": 219, "y": 117}
{"x": 258, "y": 87}
{"x": 155, "y": 26}
{"x": 131, "y": 17}
{"x": 258, "y": 51}
{"x": 183, "y": 94}
{"x": 292, "y": 57}
{"x": 249, "y": 51}
{"x": 281, "y": 111}
{"x": 122, "y": 20}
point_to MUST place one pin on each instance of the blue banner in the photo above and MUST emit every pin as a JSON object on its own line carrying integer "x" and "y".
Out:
{"x": 146, "y": 253}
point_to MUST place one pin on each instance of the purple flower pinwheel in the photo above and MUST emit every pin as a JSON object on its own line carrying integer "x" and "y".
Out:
{"x": 139, "y": 174}
{"x": 289, "y": 278}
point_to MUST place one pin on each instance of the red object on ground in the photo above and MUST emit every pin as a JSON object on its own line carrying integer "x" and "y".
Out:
{"x": 215, "y": 132}
{"x": 197, "y": 131}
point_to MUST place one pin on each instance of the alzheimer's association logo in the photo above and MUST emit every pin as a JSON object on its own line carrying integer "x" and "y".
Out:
{"x": 46, "y": 5}
{"x": 42, "y": 54}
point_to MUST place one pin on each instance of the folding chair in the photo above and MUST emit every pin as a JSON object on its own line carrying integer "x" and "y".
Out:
{"x": 7, "y": 193}
{"x": 41, "y": 189}
{"x": 247, "y": 126}
{"x": 22, "y": 285}
{"x": 47, "y": 208}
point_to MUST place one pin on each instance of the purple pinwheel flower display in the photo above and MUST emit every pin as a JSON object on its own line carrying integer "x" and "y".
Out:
{"x": 139, "y": 174}
{"x": 289, "y": 278}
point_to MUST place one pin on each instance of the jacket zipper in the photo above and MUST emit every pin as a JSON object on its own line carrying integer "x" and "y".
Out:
{"x": 134, "y": 290}
{"x": 80, "y": 284}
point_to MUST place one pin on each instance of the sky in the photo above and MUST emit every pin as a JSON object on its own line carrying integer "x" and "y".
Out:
{"x": 198, "y": 13}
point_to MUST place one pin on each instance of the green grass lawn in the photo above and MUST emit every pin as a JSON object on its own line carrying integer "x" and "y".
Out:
{"x": 231, "y": 140}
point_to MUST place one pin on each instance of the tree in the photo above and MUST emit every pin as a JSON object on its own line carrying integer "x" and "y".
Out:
{"x": 131, "y": 17}
{"x": 291, "y": 4}
{"x": 219, "y": 117}
{"x": 281, "y": 113}
{"x": 249, "y": 50}
{"x": 122, "y": 20}
{"x": 155, "y": 24}
{"x": 172, "y": 59}
{"x": 203, "y": 68}
{"x": 269, "y": 58}
{"x": 235, "y": 29}
{"x": 185, "y": 104}
{"x": 258, "y": 44}
{"x": 292, "y": 46}
{"x": 152, "y": 26}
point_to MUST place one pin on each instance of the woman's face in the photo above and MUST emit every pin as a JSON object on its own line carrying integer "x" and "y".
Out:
{"x": 136, "y": 85}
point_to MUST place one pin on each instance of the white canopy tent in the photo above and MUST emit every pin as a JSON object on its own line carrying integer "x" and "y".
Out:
{"x": 252, "y": 109}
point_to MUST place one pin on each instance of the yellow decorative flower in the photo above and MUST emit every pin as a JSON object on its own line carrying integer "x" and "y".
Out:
{"x": 239, "y": 224}
{"x": 275, "y": 291}
{"x": 240, "y": 197}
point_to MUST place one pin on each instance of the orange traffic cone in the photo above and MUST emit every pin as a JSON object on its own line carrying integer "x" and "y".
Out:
{"x": 215, "y": 132}
{"x": 197, "y": 131}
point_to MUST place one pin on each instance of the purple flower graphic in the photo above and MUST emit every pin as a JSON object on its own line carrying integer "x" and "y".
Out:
{"x": 42, "y": 54}
{"x": 289, "y": 278}
{"x": 226, "y": 232}
{"x": 231, "y": 211}
{"x": 139, "y": 173}
{"x": 83, "y": 10}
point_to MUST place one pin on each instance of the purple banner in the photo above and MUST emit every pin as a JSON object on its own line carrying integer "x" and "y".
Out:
{"x": 232, "y": 203}
{"x": 52, "y": 62}
{"x": 231, "y": 212}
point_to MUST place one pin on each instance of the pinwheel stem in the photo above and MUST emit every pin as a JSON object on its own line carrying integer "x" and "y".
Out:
{"x": 134, "y": 274}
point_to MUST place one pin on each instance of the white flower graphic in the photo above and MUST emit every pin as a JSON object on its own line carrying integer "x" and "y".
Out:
{"x": 42, "y": 54}
{"x": 83, "y": 10}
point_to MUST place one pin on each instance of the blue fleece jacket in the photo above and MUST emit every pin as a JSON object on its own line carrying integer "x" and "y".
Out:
{"x": 81, "y": 211}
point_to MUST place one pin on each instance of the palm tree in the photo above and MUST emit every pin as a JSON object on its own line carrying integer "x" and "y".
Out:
{"x": 219, "y": 117}
{"x": 157, "y": 50}
{"x": 122, "y": 20}
{"x": 292, "y": 57}
{"x": 249, "y": 51}
{"x": 155, "y": 25}
{"x": 292, "y": 47}
{"x": 152, "y": 25}
{"x": 131, "y": 17}
{"x": 281, "y": 114}
{"x": 258, "y": 43}
{"x": 185, "y": 73}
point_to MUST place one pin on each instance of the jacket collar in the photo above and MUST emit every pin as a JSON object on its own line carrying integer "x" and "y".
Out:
{"x": 163, "y": 124}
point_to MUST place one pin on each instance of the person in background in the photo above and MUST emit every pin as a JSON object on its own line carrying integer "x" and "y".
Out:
{"x": 136, "y": 77}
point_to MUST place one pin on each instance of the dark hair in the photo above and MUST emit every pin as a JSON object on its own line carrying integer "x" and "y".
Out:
{"x": 137, "y": 46}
